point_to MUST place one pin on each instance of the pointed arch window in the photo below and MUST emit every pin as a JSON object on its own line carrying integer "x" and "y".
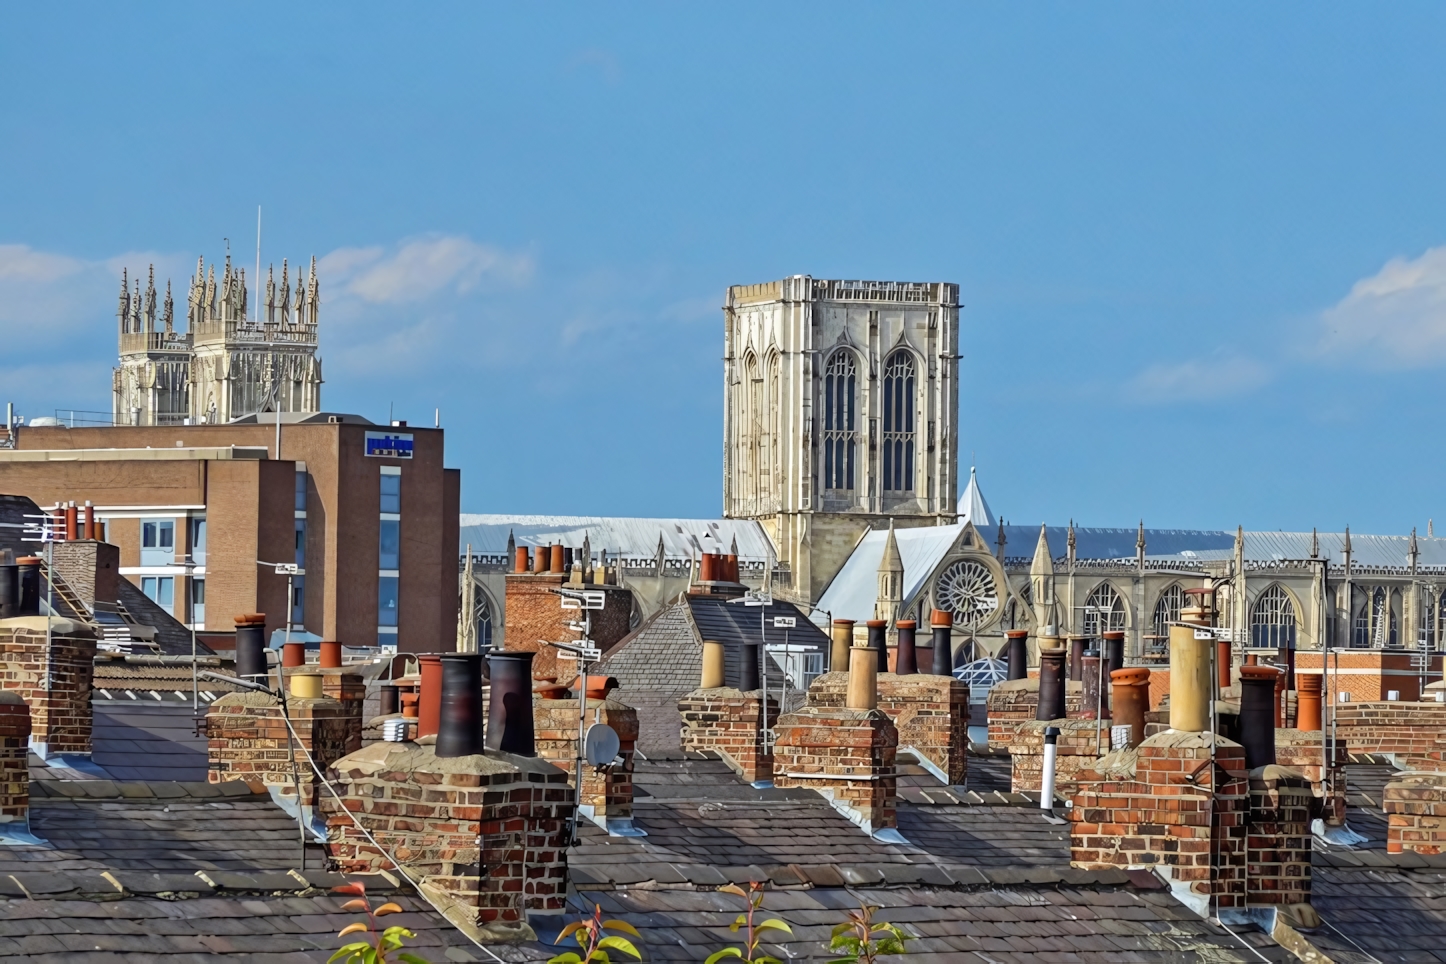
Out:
{"x": 840, "y": 432}
{"x": 1167, "y": 611}
{"x": 1104, "y": 611}
{"x": 898, "y": 427}
{"x": 1272, "y": 619}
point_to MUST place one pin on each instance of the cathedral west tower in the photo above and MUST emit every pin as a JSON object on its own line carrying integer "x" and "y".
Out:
{"x": 840, "y": 407}
{"x": 228, "y": 363}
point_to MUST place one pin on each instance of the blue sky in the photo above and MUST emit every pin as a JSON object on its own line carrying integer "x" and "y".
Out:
{"x": 1202, "y": 249}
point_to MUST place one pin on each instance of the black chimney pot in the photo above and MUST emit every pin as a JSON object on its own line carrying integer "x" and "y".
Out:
{"x": 1051, "y": 684}
{"x": 509, "y": 717}
{"x": 748, "y": 668}
{"x": 251, "y": 650}
{"x": 943, "y": 651}
{"x": 459, "y": 732}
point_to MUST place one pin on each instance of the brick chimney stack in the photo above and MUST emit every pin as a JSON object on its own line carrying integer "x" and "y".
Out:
{"x": 1185, "y": 804}
{"x": 846, "y": 753}
{"x": 484, "y": 833}
{"x": 720, "y": 719}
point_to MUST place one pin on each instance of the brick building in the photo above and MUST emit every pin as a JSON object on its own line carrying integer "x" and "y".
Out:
{"x": 368, "y": 512}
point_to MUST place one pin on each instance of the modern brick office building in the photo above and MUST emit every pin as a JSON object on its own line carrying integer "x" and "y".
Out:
{"x": 201, "y": 511}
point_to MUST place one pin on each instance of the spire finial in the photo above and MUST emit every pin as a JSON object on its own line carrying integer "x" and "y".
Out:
{"x": 169, "y": 309}
{"x": 1314, "y": 544}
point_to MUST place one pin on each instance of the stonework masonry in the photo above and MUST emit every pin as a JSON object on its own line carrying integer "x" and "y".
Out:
{"x": 607, "y": 791}
{"x": 729, "y": 722}
{"x": 931, "y": 714}
{"x": 1278, "y": 838}
{"x": 816, "y": 469}
{"x": 431, "y": 814}
{"x": 846, "y": 755}
{"x": 54, "y": 679}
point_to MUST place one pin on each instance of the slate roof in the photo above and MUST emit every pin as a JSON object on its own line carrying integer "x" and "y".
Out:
{"x": 979, "y": 883}
{"x": 179, "y": 872}
{"x": 146, "y": 739}
{"x": 633, "y": 540}
{"x": 665, "y": 654}
{"x": 1377, "y": 906}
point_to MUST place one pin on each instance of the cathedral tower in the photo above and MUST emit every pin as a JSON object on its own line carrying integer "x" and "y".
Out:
{"x": 228, "y": 363}
{"x": 840, "y": 402}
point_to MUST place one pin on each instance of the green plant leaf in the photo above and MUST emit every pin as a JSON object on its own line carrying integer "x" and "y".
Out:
{"x": 622, "y": 925}
{"x": 349, "y": 951}
{"x": 732, "y": 889}
{"x": 775, "y": 924}
{"x": 622, "y": 944}
{"x": 717, "y": 956}
{"x": 410, "y": 958}
{"x": 568, "y": 930}
{"x": 567, "y": 958}
{"x": 742, "y": 919}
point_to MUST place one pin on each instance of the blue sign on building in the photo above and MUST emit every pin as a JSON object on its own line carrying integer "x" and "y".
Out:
{"x": 389, "y": 445}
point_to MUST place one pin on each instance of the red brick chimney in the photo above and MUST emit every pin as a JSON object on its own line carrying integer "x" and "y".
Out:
{"x": 534, "y": 613}
{"x": 484, "y": 834}
{"x": 846, "y": 753}
{"x": 607, "y": 790}
{"x": 14, "y": 770}
{"x": 1228, "y": 840}
{"x": 54, "y": 682}
{"x": 720, "y": 719}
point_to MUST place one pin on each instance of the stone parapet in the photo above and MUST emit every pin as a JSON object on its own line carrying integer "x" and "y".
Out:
{"x": 246, "y": 739}
{"x": 729, "y": 722}
{"x": 431, "y": 814}
{"x": 931, "y": 714}
{"x": 53, "y": 679}
{"x": 607, "y": 791}
{"x": 1173, "y": 811}
{"x": 1077, "y": 749}
{"x": 846, "y": 755}
{"x": 1016, "y": 701}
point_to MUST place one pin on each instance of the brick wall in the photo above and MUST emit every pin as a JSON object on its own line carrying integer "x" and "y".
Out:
{"x": 60, "y": 714}
{"x": 607, "y": 792}
{"x": 430, "y": 814}
{"x": 846, "y": 755}
{"x": 247, "y": 739}
{"x": 14, "y": 766}
{"x": 1415, "y": 807}
{"x": 533, "y": 612}
{"x": 1405, "y": 730}
{"x": 1176, "y": 814}
{"x": 1014, "y": 702}
{"x": 729, "y": 722}
{"x": 1301, "y": 751}
{"x": 1076, "y": 750}
{"x": 90, "y": 568}
{"x": 1278, "y": 838}
{"x": 1367, "y": 674}
{"x": 931, "y": 714}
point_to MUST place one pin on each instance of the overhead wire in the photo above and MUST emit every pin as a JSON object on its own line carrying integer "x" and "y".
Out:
{"x": 396, "y": 864}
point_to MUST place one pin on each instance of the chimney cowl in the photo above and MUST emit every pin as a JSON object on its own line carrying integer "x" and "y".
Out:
{"x": 1257, "y": 714}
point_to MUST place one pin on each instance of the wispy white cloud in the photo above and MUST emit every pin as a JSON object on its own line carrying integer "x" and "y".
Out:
{"x": 22, "y": 263}
{"x": 1396, "y": 318}
{"x": 1198, "y": 379}
{"x": 420, "y": 268}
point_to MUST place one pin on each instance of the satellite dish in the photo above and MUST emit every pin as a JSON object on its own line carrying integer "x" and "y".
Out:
{"x": 601, "y": 745}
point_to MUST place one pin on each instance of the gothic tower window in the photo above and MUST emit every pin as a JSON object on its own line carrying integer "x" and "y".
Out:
{"x": 898, "y": 428}
{"x": 840, "y": 437}
{"x": 1104, "y": 610}
{"x": 1272, "y": 619}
